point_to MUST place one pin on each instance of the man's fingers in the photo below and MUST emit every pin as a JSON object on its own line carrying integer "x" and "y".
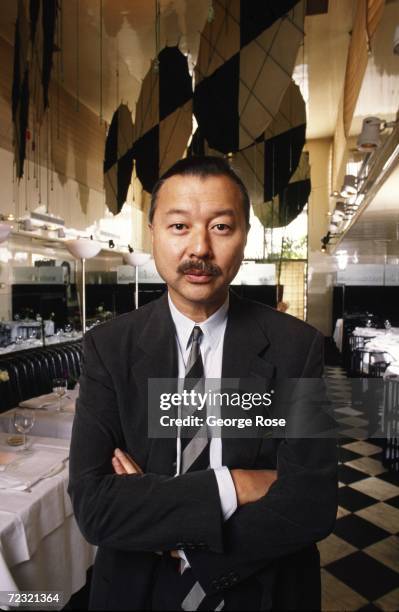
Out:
{"x": 118, "y": 468}
{"x": 126, "y": 463}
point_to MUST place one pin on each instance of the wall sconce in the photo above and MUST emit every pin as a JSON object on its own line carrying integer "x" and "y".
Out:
{"x": 349, "y": 186}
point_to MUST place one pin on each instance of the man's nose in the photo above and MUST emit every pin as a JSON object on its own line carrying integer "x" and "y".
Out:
{"x": 200, "y": 244}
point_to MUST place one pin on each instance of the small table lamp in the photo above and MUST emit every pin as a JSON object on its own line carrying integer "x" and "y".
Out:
{"x": 83, "y": 249}
{"x": 136, "y": 260}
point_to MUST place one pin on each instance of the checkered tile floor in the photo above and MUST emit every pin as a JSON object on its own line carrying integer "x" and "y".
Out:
{"x": 360, "y": 560}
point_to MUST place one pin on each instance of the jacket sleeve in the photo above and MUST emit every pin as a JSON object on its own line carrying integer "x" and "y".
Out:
{"x": 299, "y": 509}
{"x": 149, "y": 512}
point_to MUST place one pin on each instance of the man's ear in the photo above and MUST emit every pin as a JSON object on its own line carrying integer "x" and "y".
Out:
{"x": 151, "y": 228}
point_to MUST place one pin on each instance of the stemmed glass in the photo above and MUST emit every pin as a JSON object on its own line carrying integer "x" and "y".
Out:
{"x": 60, "y": 386}
{"x": 24, "y": 419}
{"x": 387, "y": 325}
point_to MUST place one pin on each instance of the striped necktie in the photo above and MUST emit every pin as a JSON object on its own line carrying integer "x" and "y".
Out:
{"x": 195, "y": 454}
{"x": 194, "y": 440}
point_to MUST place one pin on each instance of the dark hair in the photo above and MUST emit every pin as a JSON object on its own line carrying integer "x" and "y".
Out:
{"x": 202, "y": 166}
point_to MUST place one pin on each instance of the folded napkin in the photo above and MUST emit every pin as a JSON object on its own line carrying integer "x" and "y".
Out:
{"x": 50, "y": 401}
{"x": 33, "y": 467}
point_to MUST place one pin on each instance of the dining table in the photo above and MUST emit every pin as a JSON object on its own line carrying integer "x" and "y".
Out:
{"x": 41, "y": 547}
{"x": 49, "y": 421}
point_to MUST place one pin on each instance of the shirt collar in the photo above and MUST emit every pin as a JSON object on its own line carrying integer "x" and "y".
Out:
{"x": 212, "y": 327}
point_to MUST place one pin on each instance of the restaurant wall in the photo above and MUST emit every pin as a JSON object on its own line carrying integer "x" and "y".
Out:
{"x": 63, "y": 171}
{"x": 63, "y": 176}
{"x": 321, "y": 266}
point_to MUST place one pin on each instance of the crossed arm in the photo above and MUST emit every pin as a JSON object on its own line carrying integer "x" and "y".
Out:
{"x": 250, "y": 485}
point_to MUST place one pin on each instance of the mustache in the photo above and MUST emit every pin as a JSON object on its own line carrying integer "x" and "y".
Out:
{"x": 199, "y": 266}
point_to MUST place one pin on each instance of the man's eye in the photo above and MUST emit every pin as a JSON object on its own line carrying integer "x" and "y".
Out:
{"x": 222, "y": 227}
{"x": 178, "y": 226}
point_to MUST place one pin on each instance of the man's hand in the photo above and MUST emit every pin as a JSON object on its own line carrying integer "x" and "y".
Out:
{"x": 124, "y": 464}
{"x": 251, "y": 485}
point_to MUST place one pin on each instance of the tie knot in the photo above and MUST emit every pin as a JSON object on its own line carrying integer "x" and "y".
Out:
{"x": 197, "y": 334}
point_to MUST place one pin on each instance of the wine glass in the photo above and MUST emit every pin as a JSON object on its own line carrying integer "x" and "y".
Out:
{"x": 24, "y": 419}
{"x": 60, "y": 386}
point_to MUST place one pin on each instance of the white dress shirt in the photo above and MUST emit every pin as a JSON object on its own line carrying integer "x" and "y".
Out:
{"x": 211, "y": 346}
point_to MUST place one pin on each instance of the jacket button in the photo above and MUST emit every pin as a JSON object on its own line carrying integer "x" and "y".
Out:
{"x": 225, "y": 583}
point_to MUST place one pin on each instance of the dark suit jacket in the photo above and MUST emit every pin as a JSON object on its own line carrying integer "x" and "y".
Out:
{"x": 130, "y": 517}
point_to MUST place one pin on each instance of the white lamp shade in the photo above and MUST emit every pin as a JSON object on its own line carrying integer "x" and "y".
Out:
{"x": 83, "y": 249}
{"x": 4, "y": 231}
{"x": 136, "y": 259}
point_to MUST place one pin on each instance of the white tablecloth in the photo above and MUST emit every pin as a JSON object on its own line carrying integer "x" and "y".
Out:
{"x": 49, "y": 424}
{"x": 19, "y": 327}
{"x": 372, "y": 331}
{"x": 40, "y": 544}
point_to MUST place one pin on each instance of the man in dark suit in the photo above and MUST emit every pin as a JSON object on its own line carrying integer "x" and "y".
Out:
{"x": 173, "y": 534}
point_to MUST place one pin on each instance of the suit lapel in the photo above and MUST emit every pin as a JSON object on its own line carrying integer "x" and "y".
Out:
{"x": 157, "y": 358}
{"x": 244, "y": 357}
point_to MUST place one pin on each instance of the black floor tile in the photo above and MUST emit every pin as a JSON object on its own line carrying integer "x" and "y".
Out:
{"x": 358, "y": 531}
{"x": 348, "y": 475}
{"x": 353, "y": 500}
{"x": 345, "y": 455}
{"x": 368, "y": 577}
{"x": 343, "y": 441}
{"x": 394, "y": 501}
{"x": 391, "y": 477}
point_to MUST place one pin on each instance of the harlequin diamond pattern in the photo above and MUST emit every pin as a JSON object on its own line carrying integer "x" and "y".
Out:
{"x": 360, "y": 559}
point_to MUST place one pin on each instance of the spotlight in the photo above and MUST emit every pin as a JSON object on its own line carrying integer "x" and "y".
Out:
{"x": 111, "y": 244}
{"x": 369, "y": 138}
{"x": 349, "y": 186}
{"x": 130, "y": 248}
